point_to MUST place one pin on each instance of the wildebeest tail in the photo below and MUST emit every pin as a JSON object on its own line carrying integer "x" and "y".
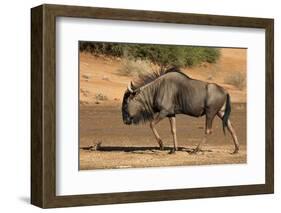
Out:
{"x": 226, "y": 113}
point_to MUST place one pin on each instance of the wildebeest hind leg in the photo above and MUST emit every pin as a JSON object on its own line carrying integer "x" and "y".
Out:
{"x": 208, "y": 131}
{"x": 152, "y": 126}
{"x": 232, "y": 132}
{"x": 202, "y": 142}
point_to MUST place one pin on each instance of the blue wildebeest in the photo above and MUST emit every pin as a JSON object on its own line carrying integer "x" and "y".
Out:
{"x": 159, "y": 95}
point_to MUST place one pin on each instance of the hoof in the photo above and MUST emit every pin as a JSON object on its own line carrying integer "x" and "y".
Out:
{"x": 196, "y": 150}
{"x": 161, "y": 146}
{"x": 173, "y": 151}
{"x": 236, "y": 151}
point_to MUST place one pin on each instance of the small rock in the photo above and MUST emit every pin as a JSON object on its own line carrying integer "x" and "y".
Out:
{"x": 96, "y": 147}
{"x": 105, "y": 78}
{"x": 210, "y": 77}
{"x": 84, "y": 102}
{"x": 86, "y": 77}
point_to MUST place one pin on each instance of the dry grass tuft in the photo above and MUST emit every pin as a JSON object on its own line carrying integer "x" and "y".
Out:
{"x": 100, "y": 97}
{"x": 238, "y": 80}
{"x": 134, "y": 67}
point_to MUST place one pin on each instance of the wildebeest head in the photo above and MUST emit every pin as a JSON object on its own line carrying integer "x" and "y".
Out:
{"x": 138, "y": 103}
{"x": 131, "y": 106}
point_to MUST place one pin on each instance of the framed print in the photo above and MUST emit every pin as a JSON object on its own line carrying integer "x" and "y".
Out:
{"x": 137, "y": 106}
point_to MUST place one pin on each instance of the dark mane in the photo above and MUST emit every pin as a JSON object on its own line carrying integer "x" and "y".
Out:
{"x": 146, "y": 78}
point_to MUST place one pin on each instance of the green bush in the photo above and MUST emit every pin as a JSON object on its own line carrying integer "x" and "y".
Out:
{"x": 162, "y": 55}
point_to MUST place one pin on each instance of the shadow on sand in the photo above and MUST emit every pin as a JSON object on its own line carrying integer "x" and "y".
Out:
{"x": 134, "y": 149}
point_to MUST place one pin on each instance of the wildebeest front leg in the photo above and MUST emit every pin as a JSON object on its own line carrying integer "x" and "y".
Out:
{"x": 152, "y": 126}
{"x": 174, "y": 133}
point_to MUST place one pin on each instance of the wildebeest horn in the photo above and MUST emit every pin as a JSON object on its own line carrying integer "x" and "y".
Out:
{"x": 130, "y": 87}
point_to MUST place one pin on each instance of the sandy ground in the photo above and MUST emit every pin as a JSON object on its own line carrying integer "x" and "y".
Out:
{"x": 151, "y": 157}
{"x": 134, "y": 146}
{"x": 125, "y": 146}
